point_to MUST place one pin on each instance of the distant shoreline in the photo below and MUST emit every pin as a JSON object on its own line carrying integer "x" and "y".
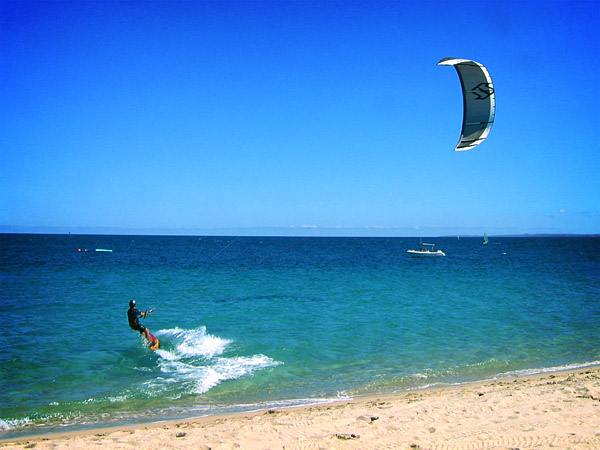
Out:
{"x": 5, "y": 231}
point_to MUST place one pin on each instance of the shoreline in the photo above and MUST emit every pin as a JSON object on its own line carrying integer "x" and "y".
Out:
{"x": 559, "y": 409}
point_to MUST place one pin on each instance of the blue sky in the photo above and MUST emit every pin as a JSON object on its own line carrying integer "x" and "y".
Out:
{"x": 296, "y": 117}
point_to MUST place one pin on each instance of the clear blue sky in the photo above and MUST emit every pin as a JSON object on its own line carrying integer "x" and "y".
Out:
{"x": 296, "y": 117}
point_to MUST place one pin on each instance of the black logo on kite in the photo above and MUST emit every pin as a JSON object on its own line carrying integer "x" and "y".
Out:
{"x": 483, "y": 91}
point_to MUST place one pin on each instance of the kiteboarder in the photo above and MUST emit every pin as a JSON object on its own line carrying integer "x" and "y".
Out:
{"x": 134, "y": 314}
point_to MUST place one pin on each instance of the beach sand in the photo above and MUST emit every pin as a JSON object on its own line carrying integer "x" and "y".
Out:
{"x": 546, "y": 411}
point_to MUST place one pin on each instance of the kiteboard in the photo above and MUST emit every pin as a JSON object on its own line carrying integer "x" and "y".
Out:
{"x": 153, "y": 343}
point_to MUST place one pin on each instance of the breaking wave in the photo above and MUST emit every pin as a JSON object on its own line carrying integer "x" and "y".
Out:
{"x": 195, "y": 358}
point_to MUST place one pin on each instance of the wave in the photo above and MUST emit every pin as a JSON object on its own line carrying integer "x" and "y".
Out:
{"x": 541, "y": 370}
{"x": 195, "y": 342}
{"x": 4, "y": 426}
{"x": 195, "y": 359}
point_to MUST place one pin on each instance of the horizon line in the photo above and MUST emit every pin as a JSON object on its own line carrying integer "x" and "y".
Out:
{"x": 290, "y": 231}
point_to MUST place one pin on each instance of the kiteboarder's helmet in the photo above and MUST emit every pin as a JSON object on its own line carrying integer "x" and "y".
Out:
{"x": 132, "y": 303}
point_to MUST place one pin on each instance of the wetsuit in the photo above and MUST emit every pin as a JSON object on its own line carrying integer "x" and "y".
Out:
{"x": 133, "y": 315}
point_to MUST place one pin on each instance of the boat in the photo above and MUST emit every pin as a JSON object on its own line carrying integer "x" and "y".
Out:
{"x": 485, "y": 239}
{"x": 426, "y": 250}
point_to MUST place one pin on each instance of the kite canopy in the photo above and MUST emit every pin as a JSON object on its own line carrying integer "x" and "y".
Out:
{"x": 479, "y": 101}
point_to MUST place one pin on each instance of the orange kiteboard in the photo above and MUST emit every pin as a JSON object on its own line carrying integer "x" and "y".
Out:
{"x": 153, "y": 343}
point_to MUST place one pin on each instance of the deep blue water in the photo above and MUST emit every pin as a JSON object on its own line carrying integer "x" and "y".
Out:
{"x": 248, "y": 323}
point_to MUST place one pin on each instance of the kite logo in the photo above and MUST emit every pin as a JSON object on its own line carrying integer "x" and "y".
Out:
{"x": 482, "y": 91}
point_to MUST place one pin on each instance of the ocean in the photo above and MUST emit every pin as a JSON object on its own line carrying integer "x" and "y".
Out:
{"x": 251, "y": 323}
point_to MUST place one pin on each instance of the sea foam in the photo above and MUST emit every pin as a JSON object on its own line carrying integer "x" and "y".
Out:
{"x": 194, "y": 357}
{"x": 189, "y": 343}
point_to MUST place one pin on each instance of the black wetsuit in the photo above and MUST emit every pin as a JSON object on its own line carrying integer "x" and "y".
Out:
{"x": 133, "y": 315}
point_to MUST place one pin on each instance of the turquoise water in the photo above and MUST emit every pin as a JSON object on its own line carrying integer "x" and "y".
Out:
{"x": 248, "y": 323}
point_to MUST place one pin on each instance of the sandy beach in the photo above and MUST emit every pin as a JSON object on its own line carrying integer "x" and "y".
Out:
{"x": 554, "y": 410}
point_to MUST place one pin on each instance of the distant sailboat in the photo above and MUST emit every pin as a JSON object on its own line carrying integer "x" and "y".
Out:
{"x": 485, "y": 239}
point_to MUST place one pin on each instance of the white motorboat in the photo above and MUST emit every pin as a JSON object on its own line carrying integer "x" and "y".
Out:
{"x": 426, "y": 250}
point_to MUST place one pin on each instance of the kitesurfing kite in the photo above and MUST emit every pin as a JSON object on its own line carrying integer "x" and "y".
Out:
{"x": 479, "y": 101}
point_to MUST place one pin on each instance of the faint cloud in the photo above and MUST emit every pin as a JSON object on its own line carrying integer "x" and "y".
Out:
{"x": 561, "y": 211}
